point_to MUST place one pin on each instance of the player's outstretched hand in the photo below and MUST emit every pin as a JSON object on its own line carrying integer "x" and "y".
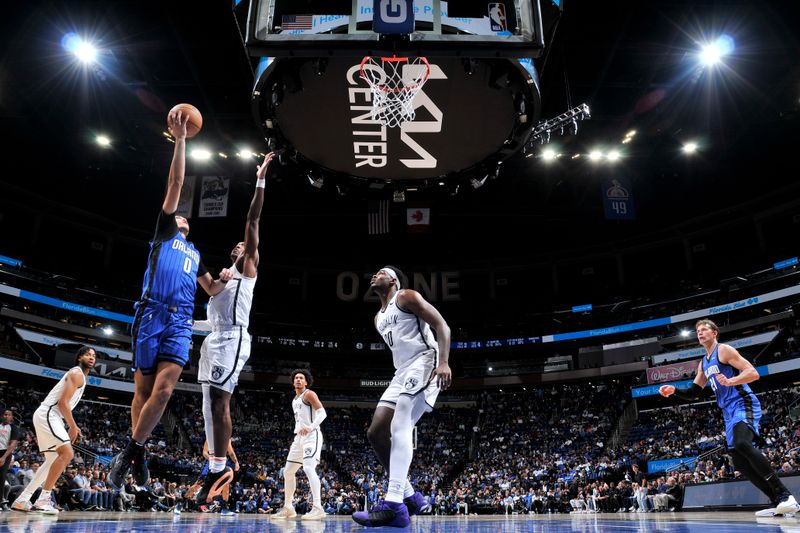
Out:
{"x": 262, "y": 168}
{"x": 443, "y": 376}
{"x": 666, "y": 390}
{"x": 176, "y": 123}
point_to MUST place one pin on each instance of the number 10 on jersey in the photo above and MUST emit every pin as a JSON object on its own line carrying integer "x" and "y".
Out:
{"x": 393, "y": 16}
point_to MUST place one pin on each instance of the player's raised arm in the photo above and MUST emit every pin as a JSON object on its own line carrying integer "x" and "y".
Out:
{"x": 253, "y": 216}
{"x": 176, "y": 122}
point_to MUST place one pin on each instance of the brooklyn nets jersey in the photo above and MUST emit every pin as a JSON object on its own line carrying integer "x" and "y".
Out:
{"x": 303, "y": 412}
{"x": 51, "y": 401}
{"x": 405, "y": 333}
{"x": 231, "y": 307}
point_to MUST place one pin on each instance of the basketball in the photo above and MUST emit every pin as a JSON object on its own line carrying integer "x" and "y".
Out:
{"x": 195, "y": 118}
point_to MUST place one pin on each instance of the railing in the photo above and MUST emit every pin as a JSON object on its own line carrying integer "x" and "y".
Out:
{"x": 626, "y": 420}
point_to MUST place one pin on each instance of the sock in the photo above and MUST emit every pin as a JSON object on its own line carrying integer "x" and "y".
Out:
{"x": 38, "y": 478}
{"x": 133, "y": 450}
{"x": 208, "y": 418}
{"x": 289, "y": 483}
{"x": 309, "y": 467}
{"x": 44, "y": 499}
{"x": 402, "y": 449}
{"x": 408, "y": 491}
{"x": 216, "y": 464}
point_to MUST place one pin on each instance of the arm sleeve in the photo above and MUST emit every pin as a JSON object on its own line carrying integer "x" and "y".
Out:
{"x": 166, "y": 226}
{"x": 319, "y": 416}
{"x": 691, "y": 394}
{"x": 201, "y": 270}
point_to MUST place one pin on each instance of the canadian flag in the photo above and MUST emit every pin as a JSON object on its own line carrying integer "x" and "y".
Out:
{"x": 418, "y": 219}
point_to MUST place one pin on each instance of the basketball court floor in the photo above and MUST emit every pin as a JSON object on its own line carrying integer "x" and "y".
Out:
{"x": 722, "y": 522}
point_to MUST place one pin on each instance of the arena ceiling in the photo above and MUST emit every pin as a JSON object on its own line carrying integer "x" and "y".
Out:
{"x": 635, "y": 65}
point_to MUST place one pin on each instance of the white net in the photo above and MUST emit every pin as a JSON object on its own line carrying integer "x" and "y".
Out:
{"x": 394, "y": 82}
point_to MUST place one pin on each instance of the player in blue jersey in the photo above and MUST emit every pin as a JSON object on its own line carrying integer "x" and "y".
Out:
{"x": 162, "y": 328}
{"x": 729, "y": 373}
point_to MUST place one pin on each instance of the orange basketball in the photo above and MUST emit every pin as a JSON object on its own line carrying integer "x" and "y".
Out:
{"x": 195, "y": 118}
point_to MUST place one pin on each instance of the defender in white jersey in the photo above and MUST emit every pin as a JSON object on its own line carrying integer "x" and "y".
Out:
{"x": 52, "y": 435}
{"x": 407, "y": 323}
{"x": 227, "y": 348}
{"x": 306, "y": 446}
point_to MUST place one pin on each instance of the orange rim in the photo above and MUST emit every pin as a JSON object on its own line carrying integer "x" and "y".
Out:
{"x": 395, "y": 59}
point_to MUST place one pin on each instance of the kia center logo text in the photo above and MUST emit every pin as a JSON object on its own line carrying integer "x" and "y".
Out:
{"x": 370, "y": 142}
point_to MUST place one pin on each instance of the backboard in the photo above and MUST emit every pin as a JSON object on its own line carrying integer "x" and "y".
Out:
{"x": 474, "y": 28}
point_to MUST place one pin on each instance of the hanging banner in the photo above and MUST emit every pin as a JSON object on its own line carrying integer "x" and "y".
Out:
{"x": 186, "y": 201}
{"x": 618, "y": 199}
{"x": 214, "y": 197}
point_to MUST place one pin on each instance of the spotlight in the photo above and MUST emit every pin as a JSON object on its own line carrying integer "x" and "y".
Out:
{"x": 685, "y": 333}
{"x": 613, "y": 155}
{"x": 200, "y": 154}
{"x": 103, "y": 141}
{"x": 595, "y": 155}
{"x": 244, "y": 153}
{"x": 689, "y": 148}
{"x": 315, "y": 182}
{"x": 83, "y": 50}
{"x": 476, "y": 183}
{"x": 490, "y": 369}
{"x": 712, "y": 53}
{"x": 86, "y": 52}
{"x": 108, "y": 330}
{"x": 223, "y": 155}
{"x": 549, "y": 155}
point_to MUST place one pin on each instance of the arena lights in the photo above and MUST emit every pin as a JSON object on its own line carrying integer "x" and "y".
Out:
{"x": 84, "y": 50}
{"x": 712, "y": 53}
{"x": 103, "y": 141}
{"x": 549, "y": 155}
{"x": 245, "y": 153}
{"x": 108, "y": 330}
{"x": 200, "y": 154}
{"x": 689, "y": 148}
{"x": 613, "y": 155}
{"x": 595, "y": 155}
{"x": 685, "y": 333}
{"x": 629, "y": 137}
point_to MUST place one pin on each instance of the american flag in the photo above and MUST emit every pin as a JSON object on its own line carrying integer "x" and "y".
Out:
{"x": 297, "y": 22}
{"x": 378, "y": 217}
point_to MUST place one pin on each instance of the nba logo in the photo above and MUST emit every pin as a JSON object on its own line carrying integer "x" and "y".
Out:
{"x": 497, "y": 16}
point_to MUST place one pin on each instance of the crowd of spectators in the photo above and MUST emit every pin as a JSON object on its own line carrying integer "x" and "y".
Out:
{"x": 537, "y": 451}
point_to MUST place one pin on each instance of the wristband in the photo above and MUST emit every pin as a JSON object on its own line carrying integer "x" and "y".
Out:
{"x": 261, "y": 183}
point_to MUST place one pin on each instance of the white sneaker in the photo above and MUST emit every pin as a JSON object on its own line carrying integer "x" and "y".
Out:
{"x": 45, "y": 508}
{"x": 22, "y": 506}
{"x": 789, "y": 505}
{"x": 316, "y": 513}
{"x": 285, "y": 512}
{"x": 767, "y": 513}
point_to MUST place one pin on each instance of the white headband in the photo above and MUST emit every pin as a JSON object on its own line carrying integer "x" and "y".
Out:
{"x": 392, "y": 274}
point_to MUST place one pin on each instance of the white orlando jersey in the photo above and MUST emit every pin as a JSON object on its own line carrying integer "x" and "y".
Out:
{"x": 303, "y": 412}
{"x": 231, "y": 307}
{"x": 405, "y": 333}
{"x": 51, "y": 401}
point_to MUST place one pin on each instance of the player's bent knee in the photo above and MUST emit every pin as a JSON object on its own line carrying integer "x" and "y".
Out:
{"x": 66, "y": 453}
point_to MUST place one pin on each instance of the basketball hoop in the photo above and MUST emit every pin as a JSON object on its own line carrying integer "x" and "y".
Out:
{"x": 394, "y": 82}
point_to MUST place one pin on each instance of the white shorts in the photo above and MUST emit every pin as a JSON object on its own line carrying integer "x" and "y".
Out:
{"x": 414, "y": 380}
{"x": 306, "y": 447}
{"x": 222, "y": 357}
{"x": 51, "y": 432}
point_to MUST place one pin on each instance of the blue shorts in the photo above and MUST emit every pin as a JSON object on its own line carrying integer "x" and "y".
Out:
{"x": 160, "y": 334}
{"x": 751, "y": 417}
